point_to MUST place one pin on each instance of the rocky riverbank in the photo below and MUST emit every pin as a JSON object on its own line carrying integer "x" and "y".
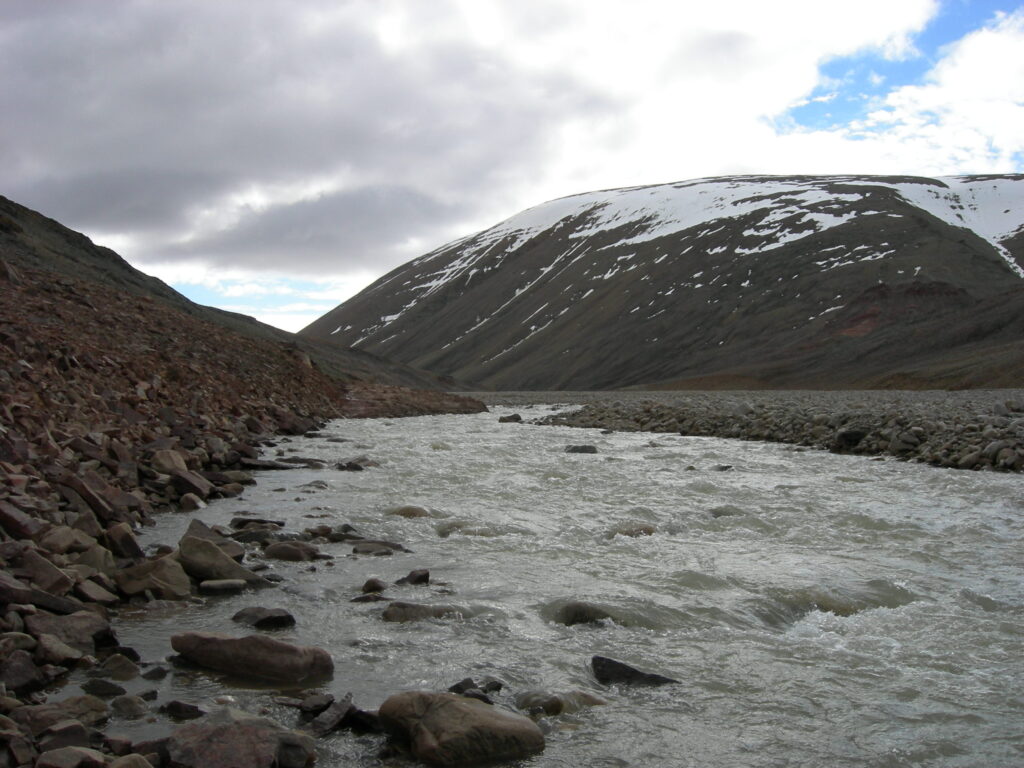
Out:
{"x": 972, "y": 429}
{"x": 115, "y": 407}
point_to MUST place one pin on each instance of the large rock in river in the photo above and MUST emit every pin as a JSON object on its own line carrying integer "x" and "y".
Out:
{"x": 449, "y": 730}
{"x": 255, "y": 656}
{"x": 203, "y": 560}
{"x": 234, "y": 739}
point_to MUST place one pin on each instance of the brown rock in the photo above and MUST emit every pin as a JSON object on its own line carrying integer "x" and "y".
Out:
{"x": 167, "y": 462}
{"x": 121, "y": 542}
{"x": 203, "y": 560}
{"x": 400, "y": 612}
{"x": 83, "y": 630}
{"x": 71, "y": 757}
{"x": 18, "y": 524}
{"x": 88, "y": 710}
{"x": 45, "y": 574}
{"x": 92, "y": 592}
{"x": 255, "y": 656}
{"x": 233, "y": 739}
{"x": 99, "y": 558}
{"x": 53, "y": 650}
{"x": 294, "y": 551}
{"x": 191, "y": 482}
{"x": 62, "y": 539}
{"x": 447, "y": 730}
{"x": 164, "y": 577}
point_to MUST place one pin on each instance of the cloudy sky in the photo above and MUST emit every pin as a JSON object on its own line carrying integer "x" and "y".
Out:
{"x": 275, "y": 156}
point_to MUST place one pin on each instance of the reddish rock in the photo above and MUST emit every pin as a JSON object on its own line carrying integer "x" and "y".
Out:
{"x": 255, "y": 656}
{"x": 233, "y": 739}
{"x": 446, "y": 729}
{"x": 164, "y": 577}
{"x": 18, "y": 524}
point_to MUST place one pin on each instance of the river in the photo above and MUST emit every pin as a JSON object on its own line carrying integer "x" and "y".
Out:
{"x": 818, "y": 610}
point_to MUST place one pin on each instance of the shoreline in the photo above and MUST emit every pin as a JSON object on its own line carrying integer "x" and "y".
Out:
{"x": 964, "y": 429}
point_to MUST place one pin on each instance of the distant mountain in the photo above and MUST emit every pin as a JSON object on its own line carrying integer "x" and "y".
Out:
{"x": 29, "y": 239}
{"x": 739, "y": 282}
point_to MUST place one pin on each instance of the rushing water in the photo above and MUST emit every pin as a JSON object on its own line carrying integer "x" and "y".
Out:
{"x": 819, "y": 610}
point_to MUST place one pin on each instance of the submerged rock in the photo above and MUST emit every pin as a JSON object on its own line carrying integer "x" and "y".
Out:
{"x": 447, "y": 730}
{"x": 264, "y": 618}
{"x": 399, "y": 611}
{"x": 608, "y": 671}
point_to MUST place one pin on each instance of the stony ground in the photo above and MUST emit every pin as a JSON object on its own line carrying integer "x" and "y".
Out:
{"x": 972, "y": 429}
{"x": 114, "y": 407}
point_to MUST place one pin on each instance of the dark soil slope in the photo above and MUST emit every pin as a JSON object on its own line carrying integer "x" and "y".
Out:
{"x": 741, "y": 282}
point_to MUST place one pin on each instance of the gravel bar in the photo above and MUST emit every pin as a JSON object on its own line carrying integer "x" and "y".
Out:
{"x": 968, "y": 429}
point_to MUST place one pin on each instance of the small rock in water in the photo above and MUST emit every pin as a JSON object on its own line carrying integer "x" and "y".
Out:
{"x": 581, "y": 449}
{"x": 265, "y": 618}
{"x": 513, "y": 418}
{"x": 608, "y": 671}
{"x": 419, "y": 576}
{"x": 182, "y": 710}
{"x": 374, "y": 585}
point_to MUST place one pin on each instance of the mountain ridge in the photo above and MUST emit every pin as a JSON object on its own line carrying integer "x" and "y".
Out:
{"x": 727, "y": 277}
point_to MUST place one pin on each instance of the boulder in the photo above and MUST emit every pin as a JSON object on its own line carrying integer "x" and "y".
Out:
{"x": 201, "y": 530}
{"x": 205, "y": 561}
{"x": 234, "y": 739}
{"x": 294, "y": 551}
{"x": 121, "y": 541}
{"x": 18, "y": 524}
{"x": 608, "y": 671}
{"x": 332, "y": 716}
{"x": 53, "y": 650}
{"x": 419, "y": 576}
{"x": 264, "y": 618}
{"x": 119, "y": 667}
{"x": 167, "y": 461}
{"x": 45, "y": 574}
{"x": 129, "y": 707}
{"x": 66, "y": 733}
{"x": 71, "y": 757}
{"x": 19, "y": 673}
{"x": 88, "y": 710}
{"x": 164, "y": 577}
{"x": 255, "y": 656}
{"x": 409, "y": 511}
{"x": 83, "y": 631}
{"x": 549, "y": 704}
{"x": 580, "y": 612}
{"x": 445, "y": 729}
{"x": 400, "y": 612}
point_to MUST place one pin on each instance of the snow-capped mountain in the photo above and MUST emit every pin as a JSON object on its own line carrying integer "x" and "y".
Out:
{"x": 752, "y": 280}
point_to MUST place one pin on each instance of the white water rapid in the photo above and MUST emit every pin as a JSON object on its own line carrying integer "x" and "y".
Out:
{"x": 818, "y": 610}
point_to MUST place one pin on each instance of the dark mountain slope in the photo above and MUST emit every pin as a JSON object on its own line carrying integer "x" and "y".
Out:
{"x": 29, "y": 239}
{"x": 750, "y": 281}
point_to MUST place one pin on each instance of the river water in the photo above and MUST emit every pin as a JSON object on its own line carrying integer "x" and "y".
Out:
{"x": 818, "y": 610}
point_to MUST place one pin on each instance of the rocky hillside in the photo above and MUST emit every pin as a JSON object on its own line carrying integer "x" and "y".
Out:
{"x": 737, "y": 282}
{"x": 29, "y": 239}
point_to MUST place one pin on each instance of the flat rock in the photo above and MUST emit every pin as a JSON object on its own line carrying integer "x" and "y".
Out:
{"x": 254, "y": 656}
{"x": 447, "y": 730}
